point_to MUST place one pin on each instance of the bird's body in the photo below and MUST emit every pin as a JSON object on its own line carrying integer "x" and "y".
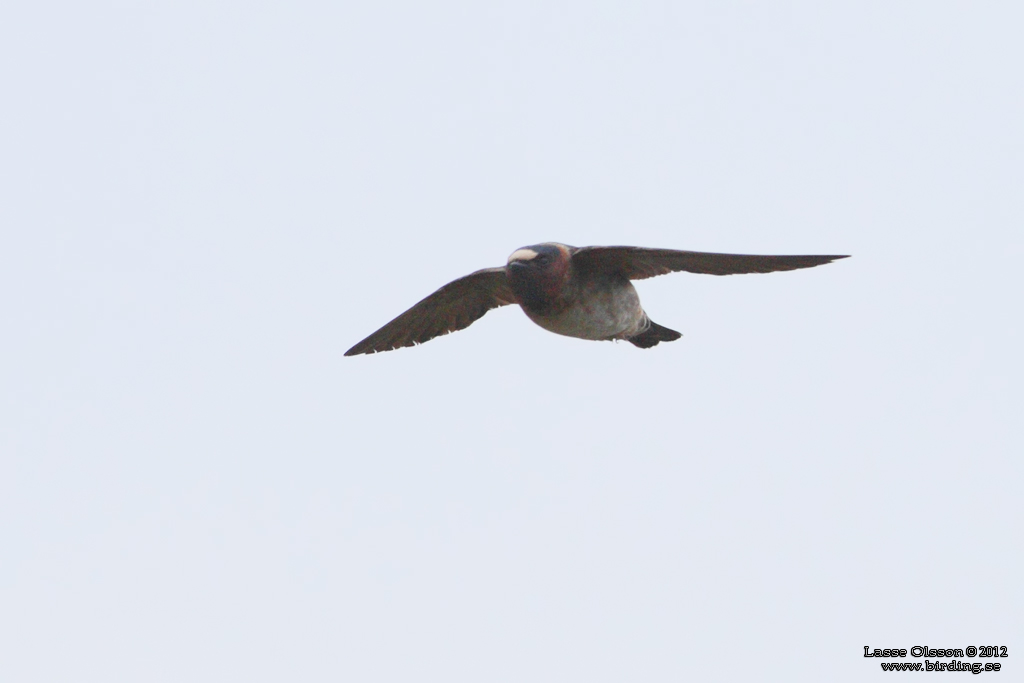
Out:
{"x": 596, "y": 308}
{"x": 554, "y": 295}
{"x": 577, "y": 292}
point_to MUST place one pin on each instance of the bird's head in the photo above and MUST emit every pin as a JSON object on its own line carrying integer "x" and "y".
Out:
{"x": 539, "y": 273}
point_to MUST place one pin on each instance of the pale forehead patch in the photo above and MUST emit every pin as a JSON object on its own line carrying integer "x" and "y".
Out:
{"x": 522, "y": 255}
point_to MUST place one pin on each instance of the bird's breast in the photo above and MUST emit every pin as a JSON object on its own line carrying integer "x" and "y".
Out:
{"x": 599, "y": 309}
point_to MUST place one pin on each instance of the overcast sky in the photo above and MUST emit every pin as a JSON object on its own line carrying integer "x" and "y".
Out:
{"x": 204, "y": 204}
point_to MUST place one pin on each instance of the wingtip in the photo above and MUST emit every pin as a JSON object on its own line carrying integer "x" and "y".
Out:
{"x": 832, "y": 258}
{"x": 360, "y": 350}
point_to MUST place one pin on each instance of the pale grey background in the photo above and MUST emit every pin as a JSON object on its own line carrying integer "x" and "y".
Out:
{"x": 205, "y": 204}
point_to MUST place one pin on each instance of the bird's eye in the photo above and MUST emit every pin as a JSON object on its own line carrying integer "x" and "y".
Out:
{"x": 541, "y": 258}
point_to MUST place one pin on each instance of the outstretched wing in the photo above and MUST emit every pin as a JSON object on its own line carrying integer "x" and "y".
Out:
{"x": 638, "y": 263}
{"x": 453, "y": 307}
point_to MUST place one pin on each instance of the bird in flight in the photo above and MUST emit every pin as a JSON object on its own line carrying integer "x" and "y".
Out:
{"x": 582, "y": 292}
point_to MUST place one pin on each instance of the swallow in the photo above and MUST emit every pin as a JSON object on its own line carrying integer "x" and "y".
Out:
{"x": 584, "y": 292}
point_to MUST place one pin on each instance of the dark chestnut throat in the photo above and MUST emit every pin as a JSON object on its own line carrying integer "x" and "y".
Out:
{"x": 537, "y": 291}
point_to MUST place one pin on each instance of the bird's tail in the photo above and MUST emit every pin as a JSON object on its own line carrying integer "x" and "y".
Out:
{"x": 653, "y": 335}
